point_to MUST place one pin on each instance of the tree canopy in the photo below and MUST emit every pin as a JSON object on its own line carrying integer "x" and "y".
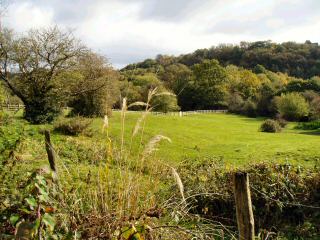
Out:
{"x": 300, "y": 60}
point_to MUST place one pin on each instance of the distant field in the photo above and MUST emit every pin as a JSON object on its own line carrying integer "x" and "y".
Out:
{"x": 236, "y": 140}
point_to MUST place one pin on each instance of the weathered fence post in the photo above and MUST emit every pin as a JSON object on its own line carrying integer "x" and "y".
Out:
{"x": 50, "y": 151}
{"x": 243, "y": 206}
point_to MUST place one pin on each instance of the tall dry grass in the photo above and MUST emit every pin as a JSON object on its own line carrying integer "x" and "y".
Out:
{"x": 121, "y": 192}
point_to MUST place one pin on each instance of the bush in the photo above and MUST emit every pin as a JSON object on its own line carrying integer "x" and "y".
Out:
{"x": 235, "y": 103}
{"x": 72, "y": 126}
{"x": 292, "y": 106}
{"x": 270, "y": 125}
{"x": 309, "y": 125}
{"x": 282, "y": 122}
{"x": 10, "y": 137}
{"x": 165, "y": 103}
{"x": 96, "y": 104}
{"x": 280, "y": 180}
{"x": 4, "y": 118}
{"x": 315, "y": 108}
{"x": 42, "y": 109}
{"x": 249, "y": 108}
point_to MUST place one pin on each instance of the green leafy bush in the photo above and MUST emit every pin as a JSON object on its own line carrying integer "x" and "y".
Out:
{"x": 72, "y": 126}
{"x": 235, "y": 103}
{"x": 31, "y": 212}
{"x": 315, "y": 108}
{"x": 4, "y": 118}
{"x": 10, "y": 137}
{"x": 165, "y": 103}
{"x": 282, "y": 122}
{"x": 292, "y": 106}
{"x": 44, "y": 109}
{"x": 278, "y": 193}
{"x": 249, "y": 108}
{"x": 270, "y": 125}
{"x": 309, "y": 125}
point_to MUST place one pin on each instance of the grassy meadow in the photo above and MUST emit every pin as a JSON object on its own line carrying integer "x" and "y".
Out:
{"x": 234, "y": 139}
{"x": 99, "y": 179}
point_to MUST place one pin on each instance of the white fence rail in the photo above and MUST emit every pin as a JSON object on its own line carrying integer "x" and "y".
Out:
{"x": 12, "y": 107}
{"x": 189, "y": 112}
{"x": 186, "y": 113}
{"x": 17, "y": 107}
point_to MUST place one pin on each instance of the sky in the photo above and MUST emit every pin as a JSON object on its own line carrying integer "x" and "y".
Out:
{"x": 127, "y": 31}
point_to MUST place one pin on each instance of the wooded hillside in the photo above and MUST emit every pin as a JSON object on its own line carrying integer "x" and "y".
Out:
{"x": 296, "y": 59}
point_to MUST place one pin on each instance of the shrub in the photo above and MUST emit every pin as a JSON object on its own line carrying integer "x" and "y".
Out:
{"x": 292, "y": 106}
{"x": 249, "y": 108}
{"x": 4, "y": 118}
{"x": 42, "y": 110}
{"x": 309, "y": 125}
{"x": 72, "y": 126}
{"x": 270, "y": 125}
{"x": 10, "y": 137}
{"x": 235, "y": 103}
{"x": 280, "y": 180}
{"x": 165, "y": 103}
{"x": 282, "y": 122}
{"x": 315, "y": 108}
{"x": 93, "y": 104}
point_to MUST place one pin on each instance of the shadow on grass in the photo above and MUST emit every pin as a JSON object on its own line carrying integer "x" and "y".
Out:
{"x": 313, "y": 133}
{"x": 257, "y": 119}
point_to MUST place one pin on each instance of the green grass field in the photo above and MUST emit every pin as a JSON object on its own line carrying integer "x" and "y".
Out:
{"x": 236, "y": 140}
{"x": 88, "y": 163}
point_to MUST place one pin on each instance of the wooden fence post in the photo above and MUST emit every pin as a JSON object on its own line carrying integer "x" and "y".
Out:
{"x": 243, "y": 206}
{"x": 50, "y": 151}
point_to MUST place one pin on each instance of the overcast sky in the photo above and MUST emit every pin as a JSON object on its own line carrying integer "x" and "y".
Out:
{"x": 127, "y": 31}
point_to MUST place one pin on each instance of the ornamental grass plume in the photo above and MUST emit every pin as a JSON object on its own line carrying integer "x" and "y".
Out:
{"x": 179, "y": 183}
{"x": 151, "y": 146}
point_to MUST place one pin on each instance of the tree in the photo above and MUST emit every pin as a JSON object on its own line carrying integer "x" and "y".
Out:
{"x": 165, "y": 60}
{"x": 130, "y": 92}
{"x": 95, "y": 86}
{"x": 165, "y": 102}
{"x": 292, "y": 106}
{"x": 243, "y": 81}
{"x": 2, "y": 95}
{"x": 31, "y": 65}
{"x": 176, "y": 77}
{"x": 235, "y": 103}
{"x": 209, "y": 84}
{"x": 315, "y": 108}
{"x": 137, "y": 85}
{"x": 300, "y": 85}
{"x": 313, "y": 99}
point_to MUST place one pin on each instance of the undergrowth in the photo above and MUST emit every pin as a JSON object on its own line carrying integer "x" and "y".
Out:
{"x": 107, "y": 189}
{"x": 309, "y": 125}
{"x": 284, "y": 197}
{"x": 100, "y": 191}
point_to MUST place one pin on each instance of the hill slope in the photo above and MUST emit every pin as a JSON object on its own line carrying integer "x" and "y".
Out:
{"x": 296, "y": 59}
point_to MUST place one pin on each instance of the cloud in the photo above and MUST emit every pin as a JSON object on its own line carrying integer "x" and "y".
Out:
{"x": 168, "y": 10}
{"x": 132, "y": 30}
{"x": 268, "y": 19}
{"x": 26, "y": 15}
